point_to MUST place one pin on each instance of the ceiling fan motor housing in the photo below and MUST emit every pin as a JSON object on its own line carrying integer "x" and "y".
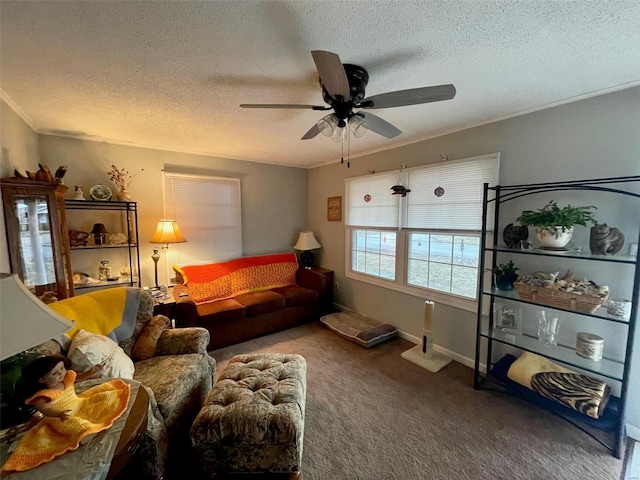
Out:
{"x": 358, "y": 78}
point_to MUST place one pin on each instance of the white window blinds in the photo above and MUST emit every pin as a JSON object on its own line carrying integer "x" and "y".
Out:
{"x": 370, "y": 203}
{"x": 208, "y": 212}
{"x": 461, "y": 185}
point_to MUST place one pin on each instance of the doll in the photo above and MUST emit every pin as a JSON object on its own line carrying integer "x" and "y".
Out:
{"x": 69, "y": 419}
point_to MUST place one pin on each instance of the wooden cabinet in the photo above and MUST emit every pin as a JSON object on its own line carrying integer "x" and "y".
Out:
{"x": 37, "y": 237}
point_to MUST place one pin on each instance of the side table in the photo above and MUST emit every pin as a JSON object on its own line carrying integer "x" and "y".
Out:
{"x": 328, "y": 297}
{"x": 167, "y": 306}
{"x": 131, "y": 435}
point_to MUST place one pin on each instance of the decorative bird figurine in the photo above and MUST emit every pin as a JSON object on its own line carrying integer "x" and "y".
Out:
{"x": 60, "y": 172}
{"x": 400, "y": 190}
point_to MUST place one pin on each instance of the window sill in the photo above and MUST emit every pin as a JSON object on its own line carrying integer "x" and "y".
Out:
{"x": 433, "y": 295}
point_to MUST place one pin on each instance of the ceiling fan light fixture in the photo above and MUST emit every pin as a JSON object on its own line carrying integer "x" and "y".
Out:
{"x": 358, "y": 126}
{"x": 339, "y": 134}
{"x": 327, "y": 124}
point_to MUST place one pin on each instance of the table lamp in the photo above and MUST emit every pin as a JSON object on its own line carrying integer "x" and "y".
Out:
{"x": 99, "y": 233}
{"x": 25, "y": 322}
{"x": 307, "y": 242}
{"x": 167, "y": 231}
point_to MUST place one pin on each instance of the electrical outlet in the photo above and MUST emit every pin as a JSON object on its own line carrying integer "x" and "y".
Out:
{"x": 633, "y": 249}
{"x": 337, "y": 286}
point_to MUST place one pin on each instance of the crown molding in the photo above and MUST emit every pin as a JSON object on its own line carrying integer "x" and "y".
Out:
{"x": 14, "y": 106}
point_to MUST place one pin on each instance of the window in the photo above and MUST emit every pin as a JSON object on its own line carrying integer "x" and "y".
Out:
{"x": 207, "y": 210}
{"x": 444, "y": 262}
{"x": 374, "y": 253}
{"x": 427, "y": 243}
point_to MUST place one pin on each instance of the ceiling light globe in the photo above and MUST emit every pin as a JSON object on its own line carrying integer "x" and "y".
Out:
{"x": 327, "y": 124}
{"x": 358, "y": 126}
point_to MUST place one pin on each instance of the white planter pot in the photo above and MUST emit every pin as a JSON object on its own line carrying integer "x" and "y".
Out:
{"x": 554, "y": 237}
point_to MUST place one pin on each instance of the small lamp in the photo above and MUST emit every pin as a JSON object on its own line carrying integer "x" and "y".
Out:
{"x": 25, "y": 322}
{"x": 167, "y": 231}
{"x": 307, "y": 242}
{"x": 99, "y": 233}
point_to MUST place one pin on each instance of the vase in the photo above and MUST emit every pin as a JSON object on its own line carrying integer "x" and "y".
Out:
{"x": 124, "y": 196}
{"x": 505, "y": 282}
{"x": 554, "y": 238}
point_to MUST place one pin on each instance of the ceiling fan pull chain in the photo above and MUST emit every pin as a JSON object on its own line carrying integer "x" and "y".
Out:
{"x": 348, "y": 147}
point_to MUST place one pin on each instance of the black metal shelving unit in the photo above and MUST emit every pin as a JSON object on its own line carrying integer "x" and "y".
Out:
{"x": 609, "y": 430}
{"x": 130, "y": 210}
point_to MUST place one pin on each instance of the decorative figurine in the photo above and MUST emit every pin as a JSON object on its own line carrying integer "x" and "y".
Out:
{"x": 512, "y": 235}
{"x": 79, "y": 193}
{"x": 605, "y": 240}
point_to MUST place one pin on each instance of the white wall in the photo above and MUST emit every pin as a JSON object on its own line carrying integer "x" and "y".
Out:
{"x": 593, "y": 138}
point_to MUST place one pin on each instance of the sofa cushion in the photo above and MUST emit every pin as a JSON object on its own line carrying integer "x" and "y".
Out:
{"x": 221, "y": 311}
{"x": 172, "y": 392}
{"x": 145, "y": 346}
{"x": 294, "y": 295}
{"x": 257, "y": 303}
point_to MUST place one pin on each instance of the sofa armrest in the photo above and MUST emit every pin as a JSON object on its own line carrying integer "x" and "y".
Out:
{"x": 313, "y": 281}
{"x": 179, "y": 341}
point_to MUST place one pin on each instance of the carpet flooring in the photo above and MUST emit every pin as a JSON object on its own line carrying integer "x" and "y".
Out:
{"x": 370, "y": 414}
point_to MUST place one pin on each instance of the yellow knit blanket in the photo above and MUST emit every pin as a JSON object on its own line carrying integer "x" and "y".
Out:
{"x": 92, "y": 411}
{"x": 110, "y": 312}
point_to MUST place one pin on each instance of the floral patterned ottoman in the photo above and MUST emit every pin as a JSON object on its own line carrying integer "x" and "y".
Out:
{"x": 253, "y": 419}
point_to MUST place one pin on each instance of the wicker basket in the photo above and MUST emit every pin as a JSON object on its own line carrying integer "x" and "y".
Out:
{"x": 559, "y": 298}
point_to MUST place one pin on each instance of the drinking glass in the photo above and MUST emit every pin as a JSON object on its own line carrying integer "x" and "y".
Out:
{"x": 548, "y": 326}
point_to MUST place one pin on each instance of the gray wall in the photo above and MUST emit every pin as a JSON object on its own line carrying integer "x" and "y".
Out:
{"x": 274, "y": 198}
{"x": 597, "y": 137}
{"x": 19, "y": 150}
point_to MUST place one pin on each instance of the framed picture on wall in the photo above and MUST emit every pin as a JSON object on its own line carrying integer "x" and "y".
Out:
{"x": 334, "y": 209}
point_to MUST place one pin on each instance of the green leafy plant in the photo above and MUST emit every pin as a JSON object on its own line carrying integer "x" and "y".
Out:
{"x": 551, "y": 216}
{"x": 505, "y": 269}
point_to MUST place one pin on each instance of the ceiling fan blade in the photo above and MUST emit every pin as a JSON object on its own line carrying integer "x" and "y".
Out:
{"x": 313, "y": 131}
{"x": 332, "y": 74}
{"x": 380, "y": 126}
{"x": 413, "y": 96}
{"x": 284, "y": 105}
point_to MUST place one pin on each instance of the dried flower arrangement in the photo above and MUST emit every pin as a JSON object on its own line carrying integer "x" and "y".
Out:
{"x": 121, "y": 177}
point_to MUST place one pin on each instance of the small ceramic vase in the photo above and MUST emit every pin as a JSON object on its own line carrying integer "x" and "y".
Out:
{"x": 124, "y": 196}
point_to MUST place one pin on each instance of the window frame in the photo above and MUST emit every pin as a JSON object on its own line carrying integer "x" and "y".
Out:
{"x": 400, "y": 284}
{"x": 402, "y": 266}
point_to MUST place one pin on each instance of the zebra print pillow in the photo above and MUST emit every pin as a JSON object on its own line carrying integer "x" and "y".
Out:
{"x": 579, "y": 392}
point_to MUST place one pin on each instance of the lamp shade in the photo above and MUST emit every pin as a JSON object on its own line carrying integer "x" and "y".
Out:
{"x": 25, "y": 321}
{"x": 306, "y": 241}
{"x": 167, "y": 231}
{"x": 99, "y": 228}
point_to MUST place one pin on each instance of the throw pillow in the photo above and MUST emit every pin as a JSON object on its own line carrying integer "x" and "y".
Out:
{"x": 88, "y": 350}
{"x": 145, "y": 346}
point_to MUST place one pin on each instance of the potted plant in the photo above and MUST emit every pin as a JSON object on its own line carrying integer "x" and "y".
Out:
{"x": 554, "y": 225}
{"x": 504, "y": 275}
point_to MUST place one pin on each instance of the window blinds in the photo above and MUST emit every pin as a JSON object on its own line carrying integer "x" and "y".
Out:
{"x": 208, "y": 212}
{"x": 460, "y": 205}
{"x": 370, "y": 203}
{"x": 458, "y": 208}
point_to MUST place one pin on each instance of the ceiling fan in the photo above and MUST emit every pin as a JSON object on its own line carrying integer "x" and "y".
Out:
{"x": 343, "y": 89}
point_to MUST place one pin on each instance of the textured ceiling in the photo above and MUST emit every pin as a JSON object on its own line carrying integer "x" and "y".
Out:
{"x": 171, "y": 75}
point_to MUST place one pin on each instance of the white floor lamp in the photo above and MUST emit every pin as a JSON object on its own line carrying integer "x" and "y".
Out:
{"x": 423, "y": 355}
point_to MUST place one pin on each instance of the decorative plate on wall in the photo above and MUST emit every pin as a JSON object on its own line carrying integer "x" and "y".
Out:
{"x": 100, "y": 192}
